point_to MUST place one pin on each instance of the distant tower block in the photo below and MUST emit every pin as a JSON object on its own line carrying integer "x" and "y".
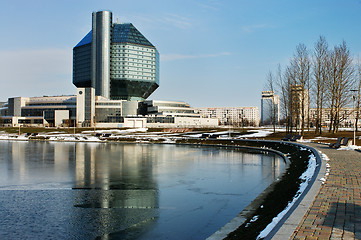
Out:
{"x": 116, "y": 60}
{"x": 270, "y": 110}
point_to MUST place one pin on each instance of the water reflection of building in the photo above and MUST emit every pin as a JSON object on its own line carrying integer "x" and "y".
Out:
{"x": 36, "y": 162}
{"x": 112, "y": 194}
{"x": 106, "y": 179}
{"x": 103, "y": 167}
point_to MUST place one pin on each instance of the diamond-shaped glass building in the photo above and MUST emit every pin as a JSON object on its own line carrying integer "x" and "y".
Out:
{"x": 116, "y": 60}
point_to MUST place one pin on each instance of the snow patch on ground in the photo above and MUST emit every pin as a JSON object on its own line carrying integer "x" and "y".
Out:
{"x": 348, "y": 148}
{"x": 255, "y": 218}
{"x": 258, "y": 133}
{"x": 117, "y": 131}
{"x": 324, "y": 138}
{"x": 306, "y": 177}
{"x": 328, "y": 167}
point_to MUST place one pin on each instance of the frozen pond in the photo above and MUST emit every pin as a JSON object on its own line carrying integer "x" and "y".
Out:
{"x": 125, "y": 191}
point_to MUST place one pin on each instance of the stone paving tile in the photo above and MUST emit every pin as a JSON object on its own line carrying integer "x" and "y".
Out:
{"x": 336, "y": 211}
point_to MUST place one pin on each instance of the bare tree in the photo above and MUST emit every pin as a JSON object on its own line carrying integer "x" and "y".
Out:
{"x": 284, "y": 83}
{"x": 301, "y": 65}
{"x": 292, "y": 101}
{"x": 341, "y": 81}
{"x": 332, "y": 79}
{"x": 272, "y": 106}
{"x": 320, "y": 69}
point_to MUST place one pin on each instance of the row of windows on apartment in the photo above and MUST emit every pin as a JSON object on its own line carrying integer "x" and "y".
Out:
{"x": 68, "y": 104}
{"x": 144, "y": 49}
{"x": 122, "y": 65}
{"x": 230, "y": 114}
{"x": 133, "y": 77}
{"x": 131, "y": 60}
{"x": 107, "y": 104}
{"x": 24, "y": 121}
{"x": 123, "y": 69}
{"x": 115, "y": 75}
{"x": 133, "y": 56}
{"x": 124, "y": 51}
{"x": 131, "y": 35}
{"x": 132, "y": 73}
{"x": 125, "y": 64}
{"x": 230, "y": 110}
{"x": 122, "y": 72}
{"x": 224, "y": 115}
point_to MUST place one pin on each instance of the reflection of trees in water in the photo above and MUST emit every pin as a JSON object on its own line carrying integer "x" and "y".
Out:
{"x": 271, "y": 164}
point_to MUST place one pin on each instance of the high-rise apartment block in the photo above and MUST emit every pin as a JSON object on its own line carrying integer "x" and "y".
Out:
{"x": 270, "y": 111}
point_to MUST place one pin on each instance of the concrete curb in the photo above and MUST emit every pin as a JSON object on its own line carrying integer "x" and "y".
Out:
{"x": 286, "y": 227}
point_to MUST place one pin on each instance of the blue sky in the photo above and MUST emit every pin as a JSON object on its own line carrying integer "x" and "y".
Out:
{"x": 213, "y": 52}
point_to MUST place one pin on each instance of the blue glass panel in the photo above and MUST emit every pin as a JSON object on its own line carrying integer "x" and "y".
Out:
{"x": 86, "y": 40}
{"x": 120, "y": 33}
{"x": 127, "y": 33}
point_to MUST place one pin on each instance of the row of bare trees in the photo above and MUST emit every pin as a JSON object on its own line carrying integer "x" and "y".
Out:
{"x": 321, "y": 78}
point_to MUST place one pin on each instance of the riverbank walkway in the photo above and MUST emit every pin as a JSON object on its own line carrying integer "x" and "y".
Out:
{"x": 335, "y": 212}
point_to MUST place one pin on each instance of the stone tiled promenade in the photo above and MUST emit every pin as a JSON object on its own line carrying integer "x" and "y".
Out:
{"x": 336, "y": 211}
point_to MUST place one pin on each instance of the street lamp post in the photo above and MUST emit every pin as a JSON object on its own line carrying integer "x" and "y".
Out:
{"x": 354, "y": 91}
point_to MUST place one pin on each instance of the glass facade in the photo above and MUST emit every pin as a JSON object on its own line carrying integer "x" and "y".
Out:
{"x": 108, "y": 115}
{"x": 82, "y": 66}
{"x": 48, "y": 113}
{"x": 134, "y": 68}
{"x": 134, "y": 64}
{"x": 127, "y": 33}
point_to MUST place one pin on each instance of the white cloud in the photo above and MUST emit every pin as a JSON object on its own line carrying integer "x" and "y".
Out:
{"x": 177, "y": 21}
{"x": 166, "y": 20}
{"x": 213, "y": 5}
{"x": 35, "y": 72}
{"x": 254, "y": 27}
{"x": 172, "y": 57}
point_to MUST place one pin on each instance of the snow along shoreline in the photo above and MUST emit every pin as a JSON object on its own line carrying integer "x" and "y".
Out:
{"x": 306, "y": 178}
{"x": 138, "y": 134}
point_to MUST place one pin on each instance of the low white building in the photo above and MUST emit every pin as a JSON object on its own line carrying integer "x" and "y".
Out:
{"x": 347, "y": 117}
{"x": 235, "y": 116}
{"x": 87, "y": 110}
{"x": 175, "y": 114}
{"x": 39, "y": 111}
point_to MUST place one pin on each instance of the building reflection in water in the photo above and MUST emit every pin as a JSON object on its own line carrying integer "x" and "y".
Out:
{"x": 118, "y": 178}
{"x": 104, "y": 167}
{"x": 122, "y": 191}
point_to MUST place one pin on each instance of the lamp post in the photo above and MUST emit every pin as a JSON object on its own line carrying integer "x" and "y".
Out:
{"x": 354, "y": 91}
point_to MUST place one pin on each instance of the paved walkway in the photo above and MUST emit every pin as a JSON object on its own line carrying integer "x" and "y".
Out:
{"x": 335, "y": 213}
